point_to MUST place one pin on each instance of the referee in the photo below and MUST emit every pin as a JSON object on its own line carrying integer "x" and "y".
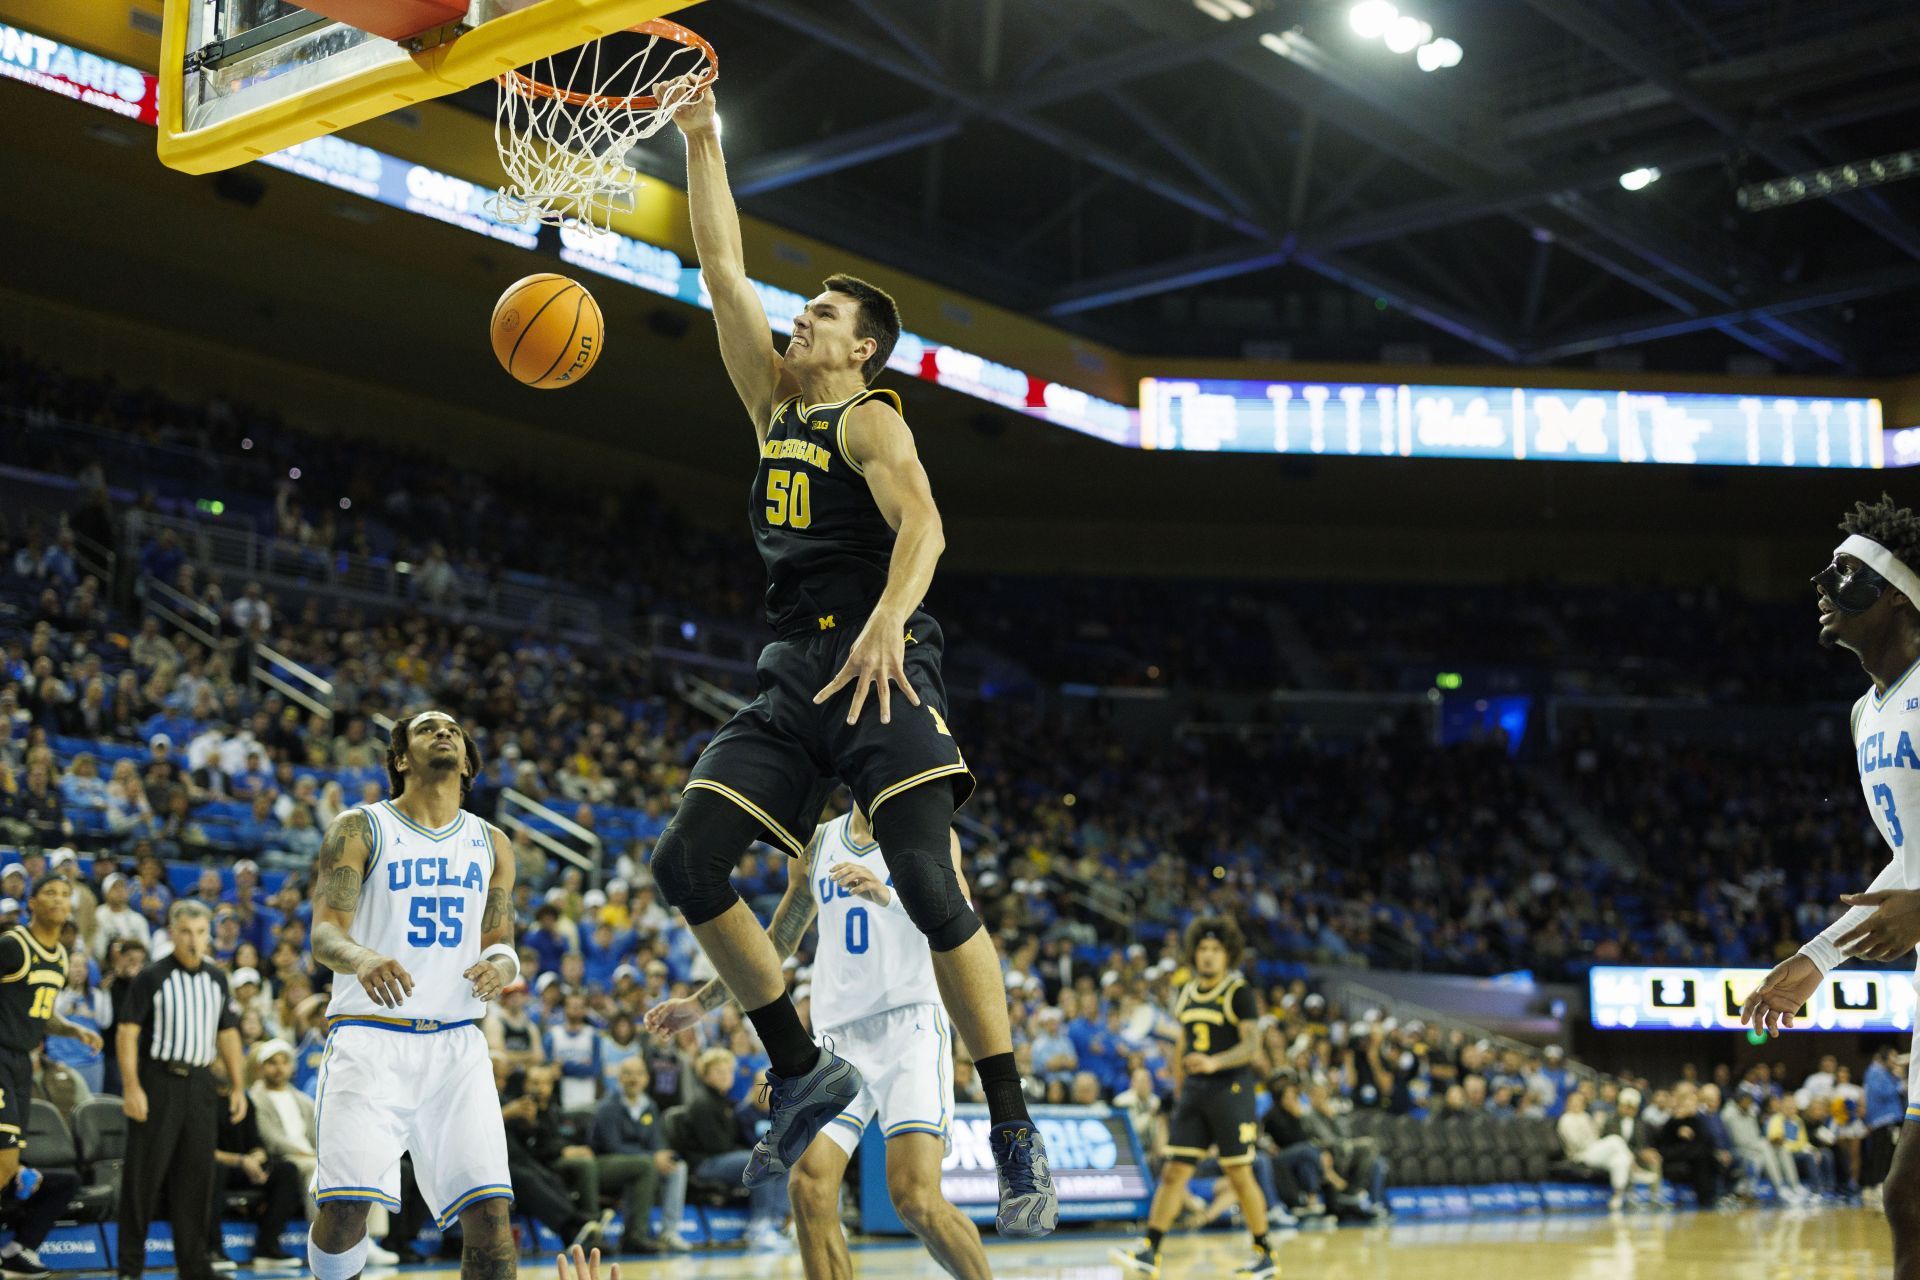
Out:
{"x": 178, "y": 1015}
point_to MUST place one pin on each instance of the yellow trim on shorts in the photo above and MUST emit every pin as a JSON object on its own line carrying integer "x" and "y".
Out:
{"x": 1190, "y": 1154}
{"x": 794, "y": 847}
{"x": 925, "y": 775}
{"x": 1231, "y": 1162}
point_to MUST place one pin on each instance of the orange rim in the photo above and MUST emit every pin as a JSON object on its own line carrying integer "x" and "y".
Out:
{"x": 527, "y": 87}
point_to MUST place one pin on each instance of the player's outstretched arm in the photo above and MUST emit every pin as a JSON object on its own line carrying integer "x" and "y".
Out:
{"x": 337, "y": 875}
{"x": 498, "y": 964}
{"x": 879, "y": 443}
{"x": 746, "y": 339}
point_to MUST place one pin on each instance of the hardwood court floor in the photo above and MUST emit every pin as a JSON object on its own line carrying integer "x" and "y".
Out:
{"x": 1823, "y": 1244}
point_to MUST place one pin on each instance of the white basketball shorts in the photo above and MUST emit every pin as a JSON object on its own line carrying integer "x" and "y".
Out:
{"x": 905, "y": 1055}
{"x": 387, "y": 1087}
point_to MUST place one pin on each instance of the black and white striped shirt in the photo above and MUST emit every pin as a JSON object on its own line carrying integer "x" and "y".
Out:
{"x": 181, "y": 1012}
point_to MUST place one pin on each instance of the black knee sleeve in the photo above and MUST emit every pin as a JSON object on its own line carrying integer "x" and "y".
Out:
{"x": 694, "y": 858}
{"x": 913, "y": 830}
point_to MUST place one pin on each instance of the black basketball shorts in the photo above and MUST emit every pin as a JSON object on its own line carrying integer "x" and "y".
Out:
{"x": 16, "y": 1092}
{"x": 1214, "y": 1111}
{"x": 780, "y": 755}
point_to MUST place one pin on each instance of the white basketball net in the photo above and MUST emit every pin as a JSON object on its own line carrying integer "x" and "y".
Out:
{"x": 564, "y": 126}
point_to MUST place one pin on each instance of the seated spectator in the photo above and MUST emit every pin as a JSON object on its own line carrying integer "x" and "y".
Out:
{"x": 543, "y": 1152}
{"x": 129, "y": 813}
{"x": 1886, "y": 1108}
{"x": 1297, "y": 1160}
{"x": 629, "y": 1141}
{"x": 37, "y": 807}
{"x": 1741, "y": 1116}
{"x": 706, "y": 1131}
{"x": 1637, "y": 1133}
{"x": 1053, "y": 1053}
{"x": 1787, "y": 1132}
{"x": 82, "y": 787}
{"x": 1352, "y": 1166}
{"x": 1580, "y": 1139}
{"x": 242, "y": 1163}
{"x": 1138, "y": 1100}
{"x": 289, "y": 1128}
{"x": 1687, "y": 1156}
{"x": 116, "y": 918}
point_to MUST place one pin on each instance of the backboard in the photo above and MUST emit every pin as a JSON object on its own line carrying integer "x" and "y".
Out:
{"x": 240, "y": 79}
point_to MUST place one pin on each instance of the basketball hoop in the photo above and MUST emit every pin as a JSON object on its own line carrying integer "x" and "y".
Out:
{"x": 564, "y": 125}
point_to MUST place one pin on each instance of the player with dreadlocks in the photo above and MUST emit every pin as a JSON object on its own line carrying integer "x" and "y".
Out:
{"x": 1870, "y": 603}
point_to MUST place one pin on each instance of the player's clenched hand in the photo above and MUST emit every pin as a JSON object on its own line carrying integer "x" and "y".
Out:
{"x": 486, "y": 979}
{"x": 89, "y": 1038}
{"x": 1773, "y": 1003}
{"x": 1198, "y": 1064}
{"x": 860, "y": 882}
{"x": 385, "y": 981}
{"x": 877, "y": 660}
{"x": 1891, "y": 931}
{"x": 696, "y": 114}
{"x": 585, "y": 1266}
{"x": 670, "y": 1017}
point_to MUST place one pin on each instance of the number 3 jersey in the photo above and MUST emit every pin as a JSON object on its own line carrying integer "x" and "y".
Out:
{"x": 32, "y": 977}
{"x": 1214, "y": 1018}
{"x": 870, "y": 958}
{"x": 420, "y": 903}
{"x": 1886, "y": 748}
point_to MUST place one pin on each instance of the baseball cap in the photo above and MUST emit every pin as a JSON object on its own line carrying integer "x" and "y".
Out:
{"x": 106, "y": 886}
{"x": 246, "y": 864}
{"x": 159, "y": 740}
{"x": 61, "y": 856}
{"x": 9, "y": 906}
{"x": 626, "y": 971}
{"x": 545, "y": 980}
{"x": 14, "y": 869}
{"x": 593, "y": 898}
{"x": 241, "y": 977}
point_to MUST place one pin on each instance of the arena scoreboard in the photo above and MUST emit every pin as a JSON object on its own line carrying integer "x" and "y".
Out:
{"x": 1640, "y": 998}
{"x": 1363, "y": 419}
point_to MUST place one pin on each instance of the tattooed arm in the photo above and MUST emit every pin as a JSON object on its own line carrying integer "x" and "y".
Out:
{"x": 337, "y": 875}
{"x": 496, "y": 921}
{"x": 790, "y": 921}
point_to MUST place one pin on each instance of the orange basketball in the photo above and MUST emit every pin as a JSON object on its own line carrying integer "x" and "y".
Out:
{"x": 547, "y": 331}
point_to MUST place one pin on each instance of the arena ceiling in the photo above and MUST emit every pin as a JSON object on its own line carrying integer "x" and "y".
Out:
{"x": 1253, "y": 177}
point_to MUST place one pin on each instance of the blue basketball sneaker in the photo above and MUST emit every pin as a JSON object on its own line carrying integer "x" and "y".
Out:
{"x": 1029, "y": 1206}
{"x": 800, "y": 1109}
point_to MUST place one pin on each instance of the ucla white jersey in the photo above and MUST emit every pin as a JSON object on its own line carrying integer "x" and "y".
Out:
{"x": 1886, "y": 746}
{"x": 870, "y": 958}
{"x": 421, "y": 904}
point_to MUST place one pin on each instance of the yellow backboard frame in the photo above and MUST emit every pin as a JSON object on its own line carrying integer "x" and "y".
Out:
{"x": 500, "y": 44}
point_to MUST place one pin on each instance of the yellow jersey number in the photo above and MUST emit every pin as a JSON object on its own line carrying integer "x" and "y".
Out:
{"x": 1202, "y": 1037}
{"x": 43, "y": 1003}
{"x": 789, "y": 499}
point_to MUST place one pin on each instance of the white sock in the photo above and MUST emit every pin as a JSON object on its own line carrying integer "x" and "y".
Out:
{"x": 11, "y": 1249}
{"x": 336, "y": 1266}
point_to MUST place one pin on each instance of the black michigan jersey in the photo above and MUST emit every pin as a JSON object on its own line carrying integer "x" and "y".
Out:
{"x": 31, "y": 979}
{"x": 824, "y": 541}
{"x": 1214, "y": 1018}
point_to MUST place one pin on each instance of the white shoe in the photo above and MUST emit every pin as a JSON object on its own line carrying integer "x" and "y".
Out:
{"x": 378, "y": 1257}
{"x": 768, "y": 1240}
{"x": 673, "y": 1242}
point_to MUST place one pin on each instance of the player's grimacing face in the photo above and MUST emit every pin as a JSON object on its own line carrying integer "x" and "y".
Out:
{"x": 823, "y": 336}
{"x": 1854, "y": 603}
{"x": 1210, "y": 958}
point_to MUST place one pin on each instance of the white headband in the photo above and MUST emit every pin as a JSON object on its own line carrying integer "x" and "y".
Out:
{"x": 1882, "y": 562}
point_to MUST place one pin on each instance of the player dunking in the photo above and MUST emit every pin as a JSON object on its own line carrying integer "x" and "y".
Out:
{"x": 875, "y": 1000}
{"x": 412, "y": 909}
{"x": 1214, "y": 1107}
{"x": 1869, "y": 601}
{"x": 847, "y": 526}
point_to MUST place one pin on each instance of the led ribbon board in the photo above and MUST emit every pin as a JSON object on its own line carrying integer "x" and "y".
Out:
{"x": 1384, "y": 420}
{"x": 1679, "y": 998}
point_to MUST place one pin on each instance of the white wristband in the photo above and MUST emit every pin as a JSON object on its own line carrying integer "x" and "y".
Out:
{"x": 506, "y": 953}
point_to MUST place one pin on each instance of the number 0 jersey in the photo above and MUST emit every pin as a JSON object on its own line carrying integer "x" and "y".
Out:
{"x": 870, "y": 958}
{"x": 420, "y": 904}
{"x": 32, "y": 977}
{"x": 825, "y": 544}
{"x": 1214, "y": 1018}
